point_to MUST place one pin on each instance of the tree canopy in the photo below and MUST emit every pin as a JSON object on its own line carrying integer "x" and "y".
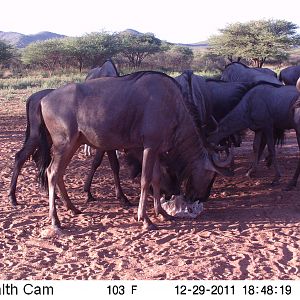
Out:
{"x": 6, "y": 51}
{"x": 136, "y": 47}
{"x": 255, "y": 41}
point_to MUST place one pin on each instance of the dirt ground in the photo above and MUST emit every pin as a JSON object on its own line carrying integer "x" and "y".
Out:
{"x": 248, "y": 229}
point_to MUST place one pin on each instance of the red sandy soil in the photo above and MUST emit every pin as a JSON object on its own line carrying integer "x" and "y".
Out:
{"x": 248, "y": 229}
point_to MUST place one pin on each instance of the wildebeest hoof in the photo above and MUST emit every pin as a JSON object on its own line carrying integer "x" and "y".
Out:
{"x": 13, "y": 200}
{"x": 51, "y": 232}
{"x": 275, "y": 182}
{"x": 90, "y": 198}
{"x": 150, "y": 226}
{"x": 289, "y": 187}
{"x": 166, "y": 217}
{"x": 126, "y": 203}
{"x": 250, "y": 174}
{"x": 75, "y": 211}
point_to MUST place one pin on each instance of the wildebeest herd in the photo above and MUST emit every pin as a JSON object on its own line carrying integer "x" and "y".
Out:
{"x": 176, "y": 133}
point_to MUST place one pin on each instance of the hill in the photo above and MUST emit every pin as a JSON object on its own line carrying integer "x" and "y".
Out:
{"x": 20, "y": 40}
{"x": 200, "y": 45}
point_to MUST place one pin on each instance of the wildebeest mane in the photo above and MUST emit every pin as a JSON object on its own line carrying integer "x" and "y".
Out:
{"x": 188, "y": 104}
{"x": 137, "y": 75}
{"x": 186, "y": 147}
{"x": 237, "y": 62}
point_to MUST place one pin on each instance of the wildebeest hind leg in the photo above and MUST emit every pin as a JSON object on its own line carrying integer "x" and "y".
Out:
{"x": 271, "y": 148}
{"x": 293, "y": 181}
{"x": 20, "y": 159}
{"x": 63, "y": 192}
{"x": 115, "y": 166}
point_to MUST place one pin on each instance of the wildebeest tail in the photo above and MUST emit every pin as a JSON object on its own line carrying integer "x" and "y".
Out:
{"x": 42, "y": 155}
{"x": 279, "y": 136}
{"x": 27, "y": 132}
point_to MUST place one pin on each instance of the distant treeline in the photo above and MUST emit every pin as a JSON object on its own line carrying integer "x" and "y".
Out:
{"x": 255, "y": 42}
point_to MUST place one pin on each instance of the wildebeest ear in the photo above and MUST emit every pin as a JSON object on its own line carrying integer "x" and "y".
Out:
{"x": 228, "y": 172}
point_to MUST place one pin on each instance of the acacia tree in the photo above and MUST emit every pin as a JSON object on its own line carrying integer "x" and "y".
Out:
{"x": 180, "y": 58}
{"x": 6, "y": 51}
{"x": 90, "y": 50}
{"x": 136, "y": 47}
{"x": 48, "y": 54}
{"x": 255, "y": 41}
{"x": 97, "y": 47}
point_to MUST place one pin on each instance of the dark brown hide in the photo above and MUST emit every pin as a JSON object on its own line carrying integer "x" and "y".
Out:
{"x": 145, "y": 109}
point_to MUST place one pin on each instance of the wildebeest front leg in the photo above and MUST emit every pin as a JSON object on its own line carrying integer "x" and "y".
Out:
{"x": 149, "y": 158}
{"x": 52, "y": 180}
{"x": 156, "y": 194}
{"x": 95, "y": 165}
{"x": 62, "y": 155}
{"x": 258, "y": 147}
{"x": 115, "y": 166}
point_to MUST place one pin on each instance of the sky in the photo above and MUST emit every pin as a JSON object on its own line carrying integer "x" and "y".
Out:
{"x": 185, "y": 21}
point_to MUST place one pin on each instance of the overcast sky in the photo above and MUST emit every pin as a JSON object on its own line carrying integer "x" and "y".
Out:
{"x": 185, "y": 21}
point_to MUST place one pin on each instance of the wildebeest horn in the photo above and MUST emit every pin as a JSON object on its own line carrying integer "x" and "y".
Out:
{"x": 298, "y": 84}
{"x": 222, "y": 163}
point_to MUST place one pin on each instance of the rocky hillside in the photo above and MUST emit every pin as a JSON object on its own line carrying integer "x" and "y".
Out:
{"x": 20, "y": 40}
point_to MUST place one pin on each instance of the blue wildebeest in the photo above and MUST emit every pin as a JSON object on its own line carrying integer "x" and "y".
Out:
{"x": 224, "y": 97}
{"x": 144, "y": 109}
{"x": 32, "y": 140}
{"x": 197, "y": 94}
{"x": 264, "y": 108}
{"x": 266, "y": 71}
{"x": 238, "y": 72}
{"x": 290, "y": 75}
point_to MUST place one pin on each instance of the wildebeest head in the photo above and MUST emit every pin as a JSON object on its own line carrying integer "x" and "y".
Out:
{"x": 169, "y": 183}
{"x": 198, "y": 188}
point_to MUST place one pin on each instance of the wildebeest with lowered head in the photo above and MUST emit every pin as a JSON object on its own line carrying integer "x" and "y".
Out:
{"x": 238, "y": 72}
{"x": 264, "y": 108}
{"x": 197, "y": 94}
{"x": 290, "y": 75}
{"x": 144, "y": 109}
{"x": 224, "y": 97}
